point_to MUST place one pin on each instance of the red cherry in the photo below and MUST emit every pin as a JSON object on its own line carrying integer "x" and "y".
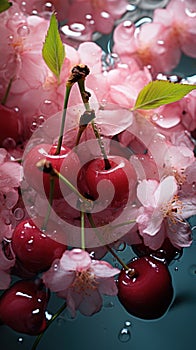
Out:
{"x": 23, "y": 305}
{"x": 9, "y": 124}
{"x": 167, "y": 252}
{"x": 149, "y": 293}
{"x": 121, "y": 175}
{"x": 67, "y": 163}
{"x": 33, "y": 248}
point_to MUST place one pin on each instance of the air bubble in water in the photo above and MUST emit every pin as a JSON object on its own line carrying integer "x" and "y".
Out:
{"x": 9, "y": 143}
{"x": 128, "y": 323}
{"x": 18, "y": 213}
{"x": 124, "y": 335}
{"x": 23, "y": 31}
{"x": 192, "y": 270}
{"x": 20, "y": 340}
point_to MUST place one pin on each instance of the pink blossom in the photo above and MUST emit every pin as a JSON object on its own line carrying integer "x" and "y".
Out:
{"x": 156, "y": 199}
{"x": 178, "y": 19}
{"x": 10, "y": 177}
{"x": 81, "y": 281}
{"x": 150, "y": 45}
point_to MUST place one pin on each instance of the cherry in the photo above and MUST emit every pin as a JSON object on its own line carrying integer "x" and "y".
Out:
{"x": 149, "y": 292}
{"x": 23, "y": 305}
{"x": 9, "y": 124}
{"x": 67, "y": 163}
{"x": 33, "y": 248}
{"x": 121, "y": 175}
{"x": 167, "y": 252}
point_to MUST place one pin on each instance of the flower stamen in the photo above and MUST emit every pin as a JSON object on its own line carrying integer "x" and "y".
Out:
{"x": 173, "y": 210}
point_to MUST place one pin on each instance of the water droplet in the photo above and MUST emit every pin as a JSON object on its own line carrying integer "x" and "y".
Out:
{"x": 46, "y": 10}
{"x": 121, "y": 247}
{"x": 192, "y": 270}
{"x": 128, "y": 323}
{"x": 40, "y": 121}
{"x": 29, "y": 244}
{"x": 33, "y": 126}
{"x": 176, "y": 269}
{"x": 60, "y": 321}
{"x": 48, "y": 315}
{"x": 124, "y": 335}
{"x": 9, "y": 143}
{"x": 18, "y": 213}
{"x": 23, "y": 31}
{"x": 109, "y": 305}
{"x": 48, "y": 107}
{"x": 20, "y": 340}
{"x": 55, "y": 267}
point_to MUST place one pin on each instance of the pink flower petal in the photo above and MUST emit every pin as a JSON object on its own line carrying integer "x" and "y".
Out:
{"x": 146, "y": 192}
{"x": 108, "y": 286}
{"x": 103, "y": 269}
{"x": 75, "y": 260}
{"x": 165, "y": 191}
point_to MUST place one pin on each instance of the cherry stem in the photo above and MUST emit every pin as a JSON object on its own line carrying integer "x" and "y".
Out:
{"x": 85, "y": 98}
{"x": 39, "y": 337}
{"x": 5, "y": 97}
{"x": 82, "y": 213}
{"x": 51, "y": 196}
{"x": 130, "y": 272}
{"x": 60, "y": 139}
{"x": 124, "y": 223}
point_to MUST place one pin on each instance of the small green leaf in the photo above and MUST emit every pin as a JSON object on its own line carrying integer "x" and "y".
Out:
{"x": 161, "y": 92}
{"x": 53, "y": 50}
{"x": 4, "y": 5}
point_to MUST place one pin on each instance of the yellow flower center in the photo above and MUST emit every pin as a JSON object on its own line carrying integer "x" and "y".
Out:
{"x": 173, "y": 210}
{"x": 84, "y": 281}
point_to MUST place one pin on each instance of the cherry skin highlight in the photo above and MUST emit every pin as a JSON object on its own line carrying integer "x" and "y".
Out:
{"x": 121, "y": 175}
{"x": 33, "y": 248}
{"x": 149, "y": 292}
{"x": 67, "y": 163}
{"x": 23, "y": 306}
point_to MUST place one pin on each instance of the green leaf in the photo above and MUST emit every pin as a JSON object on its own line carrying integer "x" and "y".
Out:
{"x": 161, "y": 92}
{"x": 53, "y": 50}
{"x": 4, "y": 5}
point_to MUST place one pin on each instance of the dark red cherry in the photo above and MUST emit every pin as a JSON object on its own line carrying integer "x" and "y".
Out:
{"x": 149, "y": 292}
{"x": 33, "y": 248}
{"x": 67, "y": 163}
{"x": 121, "y": 182}
{"x": 23, "y": 306}
{"x": 166, "y": 252}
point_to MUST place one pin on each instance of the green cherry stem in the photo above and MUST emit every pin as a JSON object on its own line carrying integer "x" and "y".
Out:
{"x": 82, "y": 213}
{"x": 130, "y": 272}
{"x": 85, "y": 98}
{"x": 47, "y": 167}
{"x": 39, "y": 337}
{"x": 60, "y": 139}
{"x": 5, "y": 97}
{"x": 50, "y": 201}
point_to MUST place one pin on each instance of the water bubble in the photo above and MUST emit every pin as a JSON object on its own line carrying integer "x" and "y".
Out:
{"x": 40, "y": 121}
{"x": 121, "y": 247}
{"x": 124, "y": 335}
{"x": 176, "y": 269}
{"x": 109, "y": 305}
{"x": 33, "y": 126}
{"x": 48, "y": 7}
{"x": 23, "y": 31}
{"x": 20, "y": 340}
{"x": 30, "y": 244}
{"x": 9, "y": 143}
{"x": 128, "y": 323}
{"x": 18, "y": 213}
{"x": 192, "y": 270}
{"x": 48, "y": 107}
